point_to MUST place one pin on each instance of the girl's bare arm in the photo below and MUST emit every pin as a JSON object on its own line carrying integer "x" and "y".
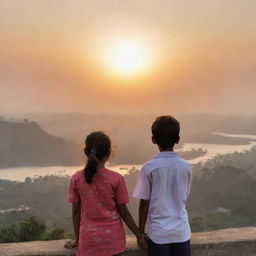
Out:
{"x": 76, "y": 212}
{"x": 128, "y": 220}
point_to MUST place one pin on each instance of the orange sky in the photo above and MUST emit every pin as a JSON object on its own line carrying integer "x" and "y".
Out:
{"x": 203, "y": 56}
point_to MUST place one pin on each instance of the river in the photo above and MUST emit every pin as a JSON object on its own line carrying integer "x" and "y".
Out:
{"x": 20, "y": 173}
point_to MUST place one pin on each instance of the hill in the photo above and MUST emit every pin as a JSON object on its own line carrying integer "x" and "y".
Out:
{"x": 131, "y": 135}
{"x": 126, "y": 129}
{"x": 27, "y": 144}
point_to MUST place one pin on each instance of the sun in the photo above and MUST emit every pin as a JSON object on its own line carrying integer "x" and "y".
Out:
{"x": 127, "y": 58}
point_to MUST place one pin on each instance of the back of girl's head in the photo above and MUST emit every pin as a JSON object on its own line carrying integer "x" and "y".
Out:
{"x": 97, "y": 147}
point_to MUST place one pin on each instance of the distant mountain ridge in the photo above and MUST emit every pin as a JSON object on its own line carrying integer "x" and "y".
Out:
{"x": 195, "y": 128}
{"x": 24, "y": 143}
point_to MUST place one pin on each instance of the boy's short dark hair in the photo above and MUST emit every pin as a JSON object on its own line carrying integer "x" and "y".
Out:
{"x": 165, "y": 130}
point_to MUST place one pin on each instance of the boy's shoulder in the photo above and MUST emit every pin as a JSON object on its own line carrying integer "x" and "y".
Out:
{"x": 184, "y": 162}
{"x": 155, "y": 163}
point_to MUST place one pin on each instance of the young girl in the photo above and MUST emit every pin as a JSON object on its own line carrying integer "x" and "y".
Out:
{"x": 99, "y": 197}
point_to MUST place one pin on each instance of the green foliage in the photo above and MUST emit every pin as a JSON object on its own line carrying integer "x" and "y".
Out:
{"x": 55, "y": 234}
{"x": 31, "y": 229}
{"x": 226, "y": 183}
{"x": 9, "y": 234}
{"x": 45, "y": 196}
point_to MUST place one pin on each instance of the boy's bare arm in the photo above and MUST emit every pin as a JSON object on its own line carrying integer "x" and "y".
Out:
{"x": 143, "y": 214}
{"x": 76, "y": 212}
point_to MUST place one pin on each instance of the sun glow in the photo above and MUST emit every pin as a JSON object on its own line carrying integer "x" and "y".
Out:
{"x": 127, "y": 58}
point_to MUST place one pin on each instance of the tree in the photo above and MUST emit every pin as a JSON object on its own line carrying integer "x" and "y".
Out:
{"x": 55, "y": 234}
{"x": 9, "y": 234}
{"x": 31, "y": 229}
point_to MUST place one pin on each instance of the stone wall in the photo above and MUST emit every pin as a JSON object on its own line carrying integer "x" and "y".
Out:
{"x": 228, "y": 242}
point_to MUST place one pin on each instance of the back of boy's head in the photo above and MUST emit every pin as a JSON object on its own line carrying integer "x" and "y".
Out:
{"x": 165, "y": 131}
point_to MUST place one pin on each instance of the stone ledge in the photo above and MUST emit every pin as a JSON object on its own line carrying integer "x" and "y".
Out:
{"x": 233, "y": 242}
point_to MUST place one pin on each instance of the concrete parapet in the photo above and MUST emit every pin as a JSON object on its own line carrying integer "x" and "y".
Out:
{"x": 228, "y": 242}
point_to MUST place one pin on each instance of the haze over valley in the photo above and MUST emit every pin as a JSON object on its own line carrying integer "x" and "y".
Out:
{"x": 59, "y": 139}
{"x": 68, "y": 68}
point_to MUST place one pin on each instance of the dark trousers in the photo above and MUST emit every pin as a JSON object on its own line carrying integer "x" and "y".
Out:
{"x": 173, "y": 249}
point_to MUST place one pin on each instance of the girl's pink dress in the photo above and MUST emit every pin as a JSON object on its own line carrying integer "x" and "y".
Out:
{"x": 101, "y": 229}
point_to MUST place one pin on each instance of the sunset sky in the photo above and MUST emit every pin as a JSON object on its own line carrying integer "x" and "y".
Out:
{"x": 120, "y": 56}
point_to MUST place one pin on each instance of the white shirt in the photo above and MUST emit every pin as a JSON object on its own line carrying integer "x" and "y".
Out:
{"x": 165, "y": 181}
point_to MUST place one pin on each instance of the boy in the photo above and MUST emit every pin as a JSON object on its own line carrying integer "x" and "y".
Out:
{"x": 163, "y": 187}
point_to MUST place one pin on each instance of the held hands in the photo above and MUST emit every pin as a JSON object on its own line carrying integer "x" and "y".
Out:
{"x": 142, "y": 241}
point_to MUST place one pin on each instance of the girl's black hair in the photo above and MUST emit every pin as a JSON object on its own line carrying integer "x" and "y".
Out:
{"x": 97, "y": 147}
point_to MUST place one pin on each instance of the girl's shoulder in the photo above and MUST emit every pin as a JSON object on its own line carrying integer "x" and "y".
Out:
{"x": 78, "y": 174}
{"x": 112, "y": 174}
